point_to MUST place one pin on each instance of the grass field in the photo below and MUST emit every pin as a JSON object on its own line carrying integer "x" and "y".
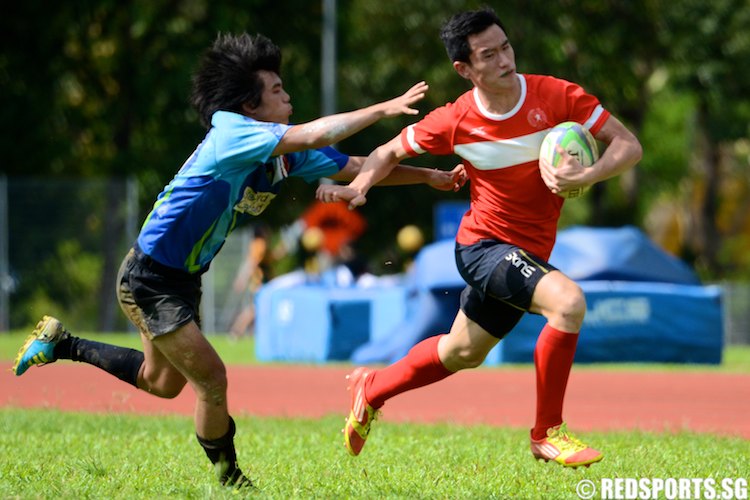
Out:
{"x": 242, "y": 352}
{"x": 51, "y": 454}
{"x": 48, "y": 454}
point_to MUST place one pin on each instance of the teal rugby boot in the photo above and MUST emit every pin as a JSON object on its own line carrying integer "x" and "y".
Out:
{"x": 39, "y": 347}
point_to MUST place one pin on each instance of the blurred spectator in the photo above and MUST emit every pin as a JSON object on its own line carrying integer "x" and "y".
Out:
{"x": 253, "y": 272}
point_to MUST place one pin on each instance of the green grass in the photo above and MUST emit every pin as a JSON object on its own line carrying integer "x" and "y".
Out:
{"x": 50, "y": 454}
{"x": 233, "y": 352}
{"x": 242, "y": 352}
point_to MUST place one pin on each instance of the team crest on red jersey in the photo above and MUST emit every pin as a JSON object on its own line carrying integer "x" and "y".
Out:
{"x": 538, "y": 119}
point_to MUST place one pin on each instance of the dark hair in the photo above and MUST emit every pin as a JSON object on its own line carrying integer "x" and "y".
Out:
{"x": 228, "y": 74}
{"x": 455, "y": 32}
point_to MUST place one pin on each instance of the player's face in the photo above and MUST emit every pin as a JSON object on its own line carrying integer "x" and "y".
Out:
{"x": 275, "y": 104}
{"x": 492, "y": 63}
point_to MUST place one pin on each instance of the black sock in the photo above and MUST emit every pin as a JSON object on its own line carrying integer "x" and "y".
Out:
{"x": 122, "y": 362}
{"x": 222, "y": 454}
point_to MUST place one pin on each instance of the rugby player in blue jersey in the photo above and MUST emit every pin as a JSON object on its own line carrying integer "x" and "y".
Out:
{"x": 234, "y": 173}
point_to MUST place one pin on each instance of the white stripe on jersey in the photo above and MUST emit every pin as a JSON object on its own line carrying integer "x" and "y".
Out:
{"x": 494, "y": 155}
{"x": 594, "y": 116}
{"x": 412, "y": 142}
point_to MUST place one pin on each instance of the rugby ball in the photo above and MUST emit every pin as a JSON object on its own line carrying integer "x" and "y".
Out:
{"x": 576, "y": 141}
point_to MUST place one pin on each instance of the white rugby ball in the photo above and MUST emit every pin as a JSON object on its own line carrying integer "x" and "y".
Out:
{"x": 576, "y": 141}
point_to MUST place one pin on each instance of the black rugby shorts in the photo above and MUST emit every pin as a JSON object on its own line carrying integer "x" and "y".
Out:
{"x": 157, "y": 299}
{"x": 501, "y": 279}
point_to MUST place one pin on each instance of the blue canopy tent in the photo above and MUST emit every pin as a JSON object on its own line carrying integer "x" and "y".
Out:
{"x": 617, "y": 254}
{"x": 644, "y": 305}
{"x": 432, "y": 294}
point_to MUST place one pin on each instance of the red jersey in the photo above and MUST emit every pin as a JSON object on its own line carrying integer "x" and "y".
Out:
{"x": 509, "y": 200}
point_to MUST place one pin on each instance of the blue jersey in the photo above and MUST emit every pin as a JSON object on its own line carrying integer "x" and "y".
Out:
{"x": 230, "y": 176}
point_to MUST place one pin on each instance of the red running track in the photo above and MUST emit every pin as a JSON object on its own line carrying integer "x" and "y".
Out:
{"x": 597, "y": 400}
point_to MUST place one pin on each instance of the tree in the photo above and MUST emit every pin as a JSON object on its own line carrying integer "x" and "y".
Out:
{"x": 710, "y": 48}
{"x": 606, "y": 46}
{"x": 100, "y": 89}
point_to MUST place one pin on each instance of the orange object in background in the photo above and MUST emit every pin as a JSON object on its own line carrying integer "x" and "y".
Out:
{"x": 340, "y": 225}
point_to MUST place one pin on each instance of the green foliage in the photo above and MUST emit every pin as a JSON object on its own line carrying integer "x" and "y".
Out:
{"x": 71, "y": 281}
{"x": 58, "y": 232}
{"x": 734, "y": 256}
{"x": 119, "y": 456}
{"x": 667, "y": 123}
{"x": 71, "y": 278}
{"x": 100, "y": 88}
{"x": 103, "y": 88}
{"x": 710, "y": 46}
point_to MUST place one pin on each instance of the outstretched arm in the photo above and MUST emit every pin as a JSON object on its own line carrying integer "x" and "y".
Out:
{"x": 377, "y": 167}
{"x": 401, "y": 175}
{"x": 334, "y": 128}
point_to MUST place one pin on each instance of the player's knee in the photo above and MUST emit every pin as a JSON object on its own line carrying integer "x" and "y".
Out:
{"x": 467, "y": 357}
{"x": 570, "y": 306}
{"x": 165, "y": 384}
{"x": 473, "y": 361}
{"x": 172, "y": 391}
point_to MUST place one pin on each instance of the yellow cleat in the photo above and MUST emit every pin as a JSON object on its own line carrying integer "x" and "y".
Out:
{"x": 39, "y": 347}
{"x": 564, "y": 448}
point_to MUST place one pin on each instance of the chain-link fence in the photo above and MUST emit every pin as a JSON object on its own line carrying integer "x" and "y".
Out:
{"x": 61, "y": 243}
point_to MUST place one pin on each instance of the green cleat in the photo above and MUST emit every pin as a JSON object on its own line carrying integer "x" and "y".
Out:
{"x": 39, "y": 347}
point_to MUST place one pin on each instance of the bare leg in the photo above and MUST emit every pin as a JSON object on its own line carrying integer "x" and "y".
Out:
{"x": 157, "y": 375}
{"x": 188, "y": 350}
{"x": 466, "y": 345}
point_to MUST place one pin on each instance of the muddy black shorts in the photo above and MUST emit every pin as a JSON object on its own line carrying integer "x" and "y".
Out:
{"x": 156, "y": 298}
{"x": 501, "y": 280}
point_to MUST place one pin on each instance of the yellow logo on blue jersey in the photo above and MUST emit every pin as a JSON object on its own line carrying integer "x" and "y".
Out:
{"x": 254, "y": 203}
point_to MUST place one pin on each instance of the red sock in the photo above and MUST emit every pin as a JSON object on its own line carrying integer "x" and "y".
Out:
{"x": 553, "y": 357}
{"x": 421, "y": 366}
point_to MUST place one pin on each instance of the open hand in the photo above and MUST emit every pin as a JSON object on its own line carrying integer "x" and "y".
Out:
{"x": 402, "y": 105}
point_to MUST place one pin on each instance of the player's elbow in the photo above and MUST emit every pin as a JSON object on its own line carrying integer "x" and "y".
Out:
{"x": 391, "y": 152}
{"x": 315, "y": 141}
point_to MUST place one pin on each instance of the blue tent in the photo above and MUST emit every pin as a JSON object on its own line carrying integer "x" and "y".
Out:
{"x": 642, "y": 305}
{"x": 433, "y": 289}
{"x": 617, "y": 254}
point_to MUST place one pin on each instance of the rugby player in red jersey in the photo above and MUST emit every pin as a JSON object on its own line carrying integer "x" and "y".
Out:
{"x": 507, "y": 235}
